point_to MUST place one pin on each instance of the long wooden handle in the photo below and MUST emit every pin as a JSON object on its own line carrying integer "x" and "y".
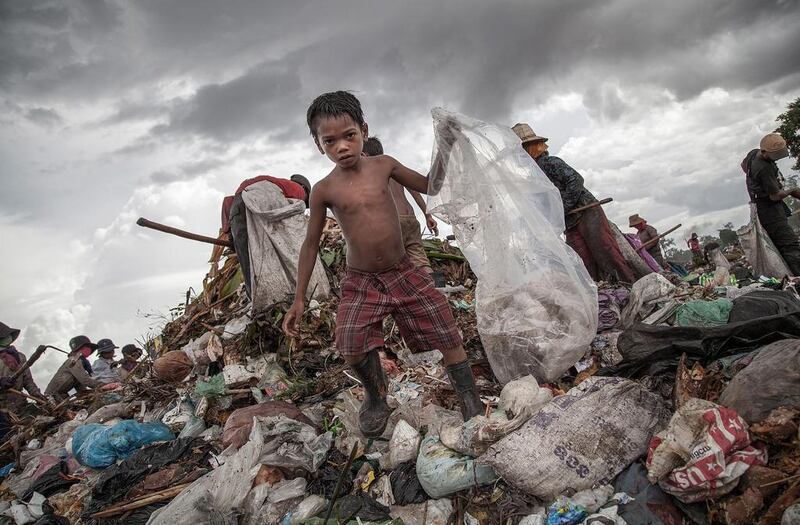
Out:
{"x": 28, "y": 363}
{"x": 654, "y": 240}
{"x": 181, "y": 233}
{"x": 590, "y": 206}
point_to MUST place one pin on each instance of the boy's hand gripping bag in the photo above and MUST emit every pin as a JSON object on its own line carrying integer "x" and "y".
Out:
{"x": 536, "y": 303}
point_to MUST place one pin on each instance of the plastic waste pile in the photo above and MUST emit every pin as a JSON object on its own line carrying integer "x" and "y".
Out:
{"x": 668, "y": 401}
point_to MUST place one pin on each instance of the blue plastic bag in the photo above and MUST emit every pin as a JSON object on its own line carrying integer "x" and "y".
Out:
{"x": 564, "y": 512}
{"x": 99, "y": 446}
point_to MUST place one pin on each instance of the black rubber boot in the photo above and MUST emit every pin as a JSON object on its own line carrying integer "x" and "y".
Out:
{"x": 464, "y": 384}
{"x": 374, "y": 412}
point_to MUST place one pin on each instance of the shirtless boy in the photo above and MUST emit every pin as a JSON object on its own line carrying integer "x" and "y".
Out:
{"x": 409, "y": 225}
{"x": 380, "y": 278}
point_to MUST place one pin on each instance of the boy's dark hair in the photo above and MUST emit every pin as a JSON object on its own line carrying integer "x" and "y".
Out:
{"x": 373, "y": 147}
{"x": 334, "y": 104}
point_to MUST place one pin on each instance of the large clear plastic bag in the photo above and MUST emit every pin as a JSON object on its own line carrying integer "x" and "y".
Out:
{"x": 536, "y": 303}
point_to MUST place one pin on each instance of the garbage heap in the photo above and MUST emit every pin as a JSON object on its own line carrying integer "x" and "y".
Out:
{"x": 684, "y": 409}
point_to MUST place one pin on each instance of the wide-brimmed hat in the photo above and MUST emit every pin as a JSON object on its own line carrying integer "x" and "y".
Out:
{"x": 79, "y": 341}
{"x": 105, "y": 345}
{"x": 131, "y": 350}
{"x": 6, "y": 331}
{"x": 774, "y": 146}
{"x": 634, "y": 219}
{"x": 526, "y": 134}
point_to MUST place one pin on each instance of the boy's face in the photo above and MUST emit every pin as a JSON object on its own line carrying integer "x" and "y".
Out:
{"x": 341, "y": 139}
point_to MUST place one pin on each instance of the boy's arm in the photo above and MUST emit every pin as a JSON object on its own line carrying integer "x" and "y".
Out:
{"x": 305, "y": 265}
{"x": 429, "y": 220}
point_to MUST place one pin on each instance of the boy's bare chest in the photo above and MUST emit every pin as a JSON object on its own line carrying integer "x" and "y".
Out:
{"x": 354, "y": 198}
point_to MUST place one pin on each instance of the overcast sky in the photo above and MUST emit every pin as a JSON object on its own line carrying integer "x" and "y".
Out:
{"x": 113, "y": 110}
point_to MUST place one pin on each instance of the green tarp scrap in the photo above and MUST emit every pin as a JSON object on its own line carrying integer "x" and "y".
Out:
{"x": 704, "y": 313}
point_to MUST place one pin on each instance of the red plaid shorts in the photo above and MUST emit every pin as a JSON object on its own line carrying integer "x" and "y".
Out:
{"x": 405, "y": 292}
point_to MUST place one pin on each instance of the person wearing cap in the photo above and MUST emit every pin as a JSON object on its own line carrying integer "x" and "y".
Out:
{"x": 765, "y": 185}
{"x": 697, "y": 252}
{"x": 588, "y": 232}
{"x": 102, "y": 367}
{"x": 647, "y": 233}
{"x": 10, "y": 361}
{"x": 234, "y": 214}
{"x": 130, "y": 360}
{"x": 75, "y": 372}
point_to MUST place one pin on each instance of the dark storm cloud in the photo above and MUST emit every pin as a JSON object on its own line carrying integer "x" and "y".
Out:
{"x": 709, "y": 195}
{"x": 476, "y": 56}
{"x": 187, "y": 171}
{"x": 262, "y": 99}
{"x": 44, "y": 117}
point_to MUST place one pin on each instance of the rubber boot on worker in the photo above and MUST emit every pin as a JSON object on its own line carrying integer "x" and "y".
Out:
{"x": 374, "y": 413}
{"x": 463, "y": 383}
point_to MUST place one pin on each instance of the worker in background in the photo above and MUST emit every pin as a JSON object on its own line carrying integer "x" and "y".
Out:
{"x": 102, "y": 368}
{"x": 409, "y": 225}
{"x": 234, "y": 215}
{"x": 698, "y": 259}
{"x": 647, "y": 233}
{"x": 130, "y": 360}
{"x": 10, "y": 361}
{"x": 75, "y": 372}
{"x": 765, "y": 185}
{"x": 588, "y": 232}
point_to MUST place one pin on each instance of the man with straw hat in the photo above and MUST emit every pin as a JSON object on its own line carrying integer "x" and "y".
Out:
{"x": 765, "y": 186}
{"x": 588, "y": 232}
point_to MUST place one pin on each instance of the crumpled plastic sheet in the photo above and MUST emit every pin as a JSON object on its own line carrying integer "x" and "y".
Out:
{"x": 536, "y": 303}
{"x": 443, "y": 471}
{"x": 98, "y": 446}
{"x": 268, "y": 504}
{"x": 649, "y": 504}
{"x": 519, "y": 400}
{"x": 760, "y": 251}
{"x": 703, "y": 452}
{"x": 116, "y": 480}
{"x": 648, "y": 289}
{"x": 308, "y": 508}
{"x": 275, "y": 441}
{"x": 405, "y": 485}
{"x": 704, "y": 313}
{"x": 239, "y": 424}
{"x": 404, "y": 444}
{"x": 771, "y": 380}
{"x": 432, "y": 512}
{"x": 610, "y": 301}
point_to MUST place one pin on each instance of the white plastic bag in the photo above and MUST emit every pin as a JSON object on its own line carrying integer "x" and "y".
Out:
{"x": 404, "y": 444}
{"x": 536, "y": 303}
{"x": 648, "y": 289}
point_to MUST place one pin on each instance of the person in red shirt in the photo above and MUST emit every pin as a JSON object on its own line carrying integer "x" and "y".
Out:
{"x": 697, "y": 251}
{"x": 234, "y": 215}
